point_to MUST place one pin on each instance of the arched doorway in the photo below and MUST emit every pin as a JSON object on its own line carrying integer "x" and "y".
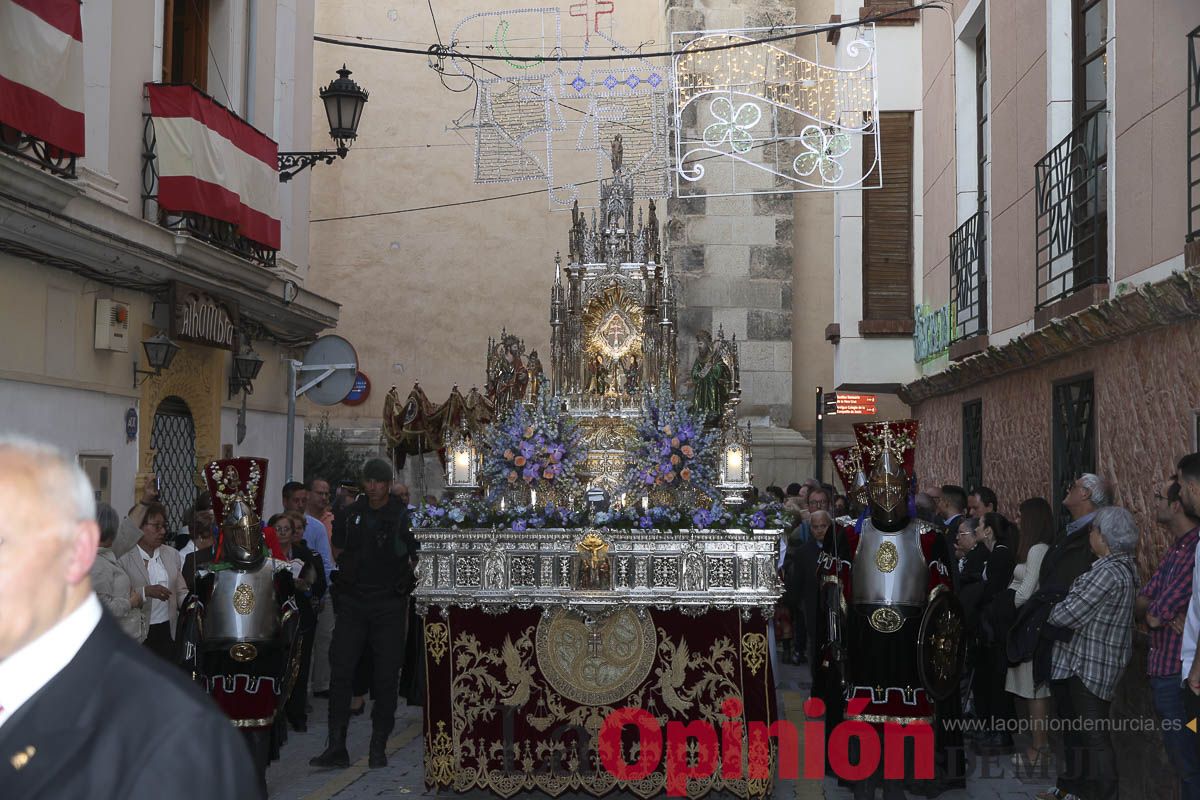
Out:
{"x": 173, "y": 440}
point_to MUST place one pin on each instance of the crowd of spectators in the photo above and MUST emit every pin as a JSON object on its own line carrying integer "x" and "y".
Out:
{"x": 1050, "y": 605}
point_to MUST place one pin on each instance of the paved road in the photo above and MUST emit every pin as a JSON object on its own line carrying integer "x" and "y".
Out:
{"x": 291, "y": 778}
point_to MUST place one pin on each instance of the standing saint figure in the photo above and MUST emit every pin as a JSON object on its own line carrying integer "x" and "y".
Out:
{"x": 710, "y": 380}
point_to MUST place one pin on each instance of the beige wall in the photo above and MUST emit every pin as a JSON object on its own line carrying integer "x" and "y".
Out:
{"x": 59, "y": 387}
{"x": 1149, "y": 122}
{"x": 425, "y": 290}
{"x": 135, "y": 61}
{"x": 812, "y": 275}
{"x": 1147, "y": 162}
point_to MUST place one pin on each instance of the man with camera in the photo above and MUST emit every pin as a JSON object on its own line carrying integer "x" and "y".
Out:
{"x": 377, "y": 554}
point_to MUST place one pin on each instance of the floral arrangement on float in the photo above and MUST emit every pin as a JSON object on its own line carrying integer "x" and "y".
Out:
{"x": 533, "y": 449}
{"x": 674, "y": 457}
{"x": 475, "y": 512}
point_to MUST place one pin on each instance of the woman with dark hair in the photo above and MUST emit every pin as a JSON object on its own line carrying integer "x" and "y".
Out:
{"x": 1035, "y": 521}
{"x": 992, "y": 703}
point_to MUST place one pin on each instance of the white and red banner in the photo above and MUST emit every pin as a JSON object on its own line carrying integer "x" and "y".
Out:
{"x": 41, "y": 70}
{"x": 211, "y": 162}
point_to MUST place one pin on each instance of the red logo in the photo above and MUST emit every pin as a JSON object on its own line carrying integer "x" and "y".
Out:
{"x": 738, "y": 746}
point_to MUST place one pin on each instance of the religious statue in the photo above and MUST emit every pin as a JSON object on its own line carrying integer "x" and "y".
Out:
{"x": 711, "y": 380}
{"x": 633, "y": 373}
{"x": 618, "y": 153}
{"x": 536, "y": 376}
{"x": 598, "y": 377}
{"x": 507, "y": 376}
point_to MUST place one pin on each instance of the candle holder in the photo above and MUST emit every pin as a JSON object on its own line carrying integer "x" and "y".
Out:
{"x": 735, "y": 476}
{"x": 462, "y": 461}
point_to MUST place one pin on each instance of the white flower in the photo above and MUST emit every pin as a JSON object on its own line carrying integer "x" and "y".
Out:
{"x": 821, "y": 152}
{"x": 732, "y": 125}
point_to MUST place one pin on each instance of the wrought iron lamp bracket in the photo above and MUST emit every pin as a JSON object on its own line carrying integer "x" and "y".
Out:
{"x": 292, "y": 164}
{"x": 145, "y": 373}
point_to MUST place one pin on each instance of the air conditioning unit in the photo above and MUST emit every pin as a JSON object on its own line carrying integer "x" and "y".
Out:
{"x": 112, "y": 326}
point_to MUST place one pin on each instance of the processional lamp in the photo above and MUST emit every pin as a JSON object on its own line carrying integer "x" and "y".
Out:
{"x": 160, "y": 352}
{"x": 734, "y": 474}
{"x": 344, "y": 100}
{"x": 462, "y": 461}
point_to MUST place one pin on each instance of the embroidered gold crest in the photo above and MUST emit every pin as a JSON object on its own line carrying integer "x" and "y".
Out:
{"x": 886, "y": 557}
{"x": 243, "y": 599}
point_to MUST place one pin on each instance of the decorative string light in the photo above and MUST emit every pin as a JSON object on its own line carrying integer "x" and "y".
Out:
{"x": 805, "y": 113}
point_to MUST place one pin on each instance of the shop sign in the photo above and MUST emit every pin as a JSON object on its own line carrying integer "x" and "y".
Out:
{"x": 931, "y": 332}
{"x": 197, "y": 316}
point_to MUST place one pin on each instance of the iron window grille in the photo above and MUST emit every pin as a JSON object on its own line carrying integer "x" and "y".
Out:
{"x": 1193, "y": 164}
{"x": 972, "y": 444}
{"x": 46, "y": 156}
{"x": 1074, "y": 435}
{"x": 968, "y": 278}
{"x": 214, "y": 231}
{"x": 173, "y": 440}
{"x": 1071, "y": 222}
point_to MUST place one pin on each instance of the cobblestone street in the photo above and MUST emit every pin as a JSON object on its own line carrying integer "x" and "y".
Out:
{"x": 291, "y": 778}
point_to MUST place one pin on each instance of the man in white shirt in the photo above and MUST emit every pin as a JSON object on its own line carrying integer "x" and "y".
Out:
{"x": 67, "y": 727}
{"x": 295, "y": 498}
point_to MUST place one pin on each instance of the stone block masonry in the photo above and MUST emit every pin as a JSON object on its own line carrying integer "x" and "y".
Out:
{"x": 733, "y": 254}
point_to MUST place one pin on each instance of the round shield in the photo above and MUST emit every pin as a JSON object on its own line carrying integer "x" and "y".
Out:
{"x": 940, "y": 644}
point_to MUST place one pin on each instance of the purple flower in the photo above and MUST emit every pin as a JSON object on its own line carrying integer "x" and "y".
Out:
{"x": 519, "y": 525}
{"x": 645, "y": 522}
{"x": 526, "y": 449}
{"x": 701, "y": 518}
{"x": 758, "y": 520}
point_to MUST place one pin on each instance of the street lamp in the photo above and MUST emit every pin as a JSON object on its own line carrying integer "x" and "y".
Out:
{"x": 160, "y": 352}
{"x": 344, "y": 100}
{"x": 246, "y": 365}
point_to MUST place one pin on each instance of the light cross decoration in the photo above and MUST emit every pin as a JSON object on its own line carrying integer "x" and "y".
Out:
{"x": 587, "y": 10}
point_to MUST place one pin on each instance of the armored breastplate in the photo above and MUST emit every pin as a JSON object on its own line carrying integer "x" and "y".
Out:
{"x": 242, "y": 608}
{"x": 890, "y": 568}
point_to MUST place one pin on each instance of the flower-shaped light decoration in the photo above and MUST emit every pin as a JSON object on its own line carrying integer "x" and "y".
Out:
{"x": 732, "y": 125}
{"x": 821, "y": 152}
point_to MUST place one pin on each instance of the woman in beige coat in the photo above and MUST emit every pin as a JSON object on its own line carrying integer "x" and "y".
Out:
{"x": 110, "y": 582}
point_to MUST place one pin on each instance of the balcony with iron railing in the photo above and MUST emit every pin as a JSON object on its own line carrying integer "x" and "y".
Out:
{"x": 968, "y": 287}
{"x": 47, "y": 156}
{"x": 1071, "y": 225}
{"x": 1192, "y": 245}
{"x": 225, "y": 234}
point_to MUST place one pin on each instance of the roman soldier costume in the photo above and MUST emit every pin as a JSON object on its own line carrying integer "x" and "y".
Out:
{"x": 242, "y": 622}
{"x": 894, "y": 622}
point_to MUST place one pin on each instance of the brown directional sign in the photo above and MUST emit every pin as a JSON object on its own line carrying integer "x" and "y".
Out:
{"x": 850, "y": 403}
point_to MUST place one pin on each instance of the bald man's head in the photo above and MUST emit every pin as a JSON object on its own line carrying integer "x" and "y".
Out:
{"x": 48, "y": 539}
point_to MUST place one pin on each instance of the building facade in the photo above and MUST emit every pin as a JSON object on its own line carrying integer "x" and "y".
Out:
{"x": 97, "y": 256}
{"x": 1057, "y": 294}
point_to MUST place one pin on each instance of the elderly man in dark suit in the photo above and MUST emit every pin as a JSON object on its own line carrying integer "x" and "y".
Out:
{"x": 69, "y": 725}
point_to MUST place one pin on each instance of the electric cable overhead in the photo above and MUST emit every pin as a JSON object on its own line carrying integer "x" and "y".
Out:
{"x": 441, "y": 51}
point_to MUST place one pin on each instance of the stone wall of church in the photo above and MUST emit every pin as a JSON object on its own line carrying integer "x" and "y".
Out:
{"x": 732, "y": 256}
